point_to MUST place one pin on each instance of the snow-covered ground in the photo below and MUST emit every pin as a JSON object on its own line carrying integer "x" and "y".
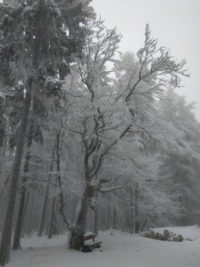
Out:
{"x": 118, "y": 250}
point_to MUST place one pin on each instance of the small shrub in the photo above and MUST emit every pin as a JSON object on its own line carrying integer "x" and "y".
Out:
{"x": 166, "y": 234}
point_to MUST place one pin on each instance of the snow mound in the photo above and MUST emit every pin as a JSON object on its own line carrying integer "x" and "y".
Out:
{"x": 118, "y": 249}
{"x": 190, "y": 233}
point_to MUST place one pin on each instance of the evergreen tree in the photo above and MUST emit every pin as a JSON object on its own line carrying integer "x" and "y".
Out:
{"x": 37, "y": 41}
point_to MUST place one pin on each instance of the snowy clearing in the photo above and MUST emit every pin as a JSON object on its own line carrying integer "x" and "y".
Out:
{"x": 118, "y": 250}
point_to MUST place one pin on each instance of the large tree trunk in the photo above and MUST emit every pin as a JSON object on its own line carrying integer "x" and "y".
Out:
{"x": 20, "y": 219}
{"x": 7, "y": 228}
{"x": 20, "y": 215}
{"x": 77, "y": 235}
{"x": 44, "y": 208}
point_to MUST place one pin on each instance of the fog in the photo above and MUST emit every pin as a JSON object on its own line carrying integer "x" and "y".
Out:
{"x": 175, "y": 23}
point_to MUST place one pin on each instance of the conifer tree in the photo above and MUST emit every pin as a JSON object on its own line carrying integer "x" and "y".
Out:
{"x": 37, "y": 41}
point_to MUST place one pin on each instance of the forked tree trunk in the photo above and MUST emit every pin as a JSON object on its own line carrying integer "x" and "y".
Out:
{"x": 77, "y": 235}
{"x": 7, "y": 228}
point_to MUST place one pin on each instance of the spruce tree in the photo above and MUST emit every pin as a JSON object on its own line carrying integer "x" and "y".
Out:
{"x": 38, "y": 39}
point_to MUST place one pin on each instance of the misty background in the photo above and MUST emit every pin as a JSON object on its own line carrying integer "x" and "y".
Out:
{"x": 176, "y": 25}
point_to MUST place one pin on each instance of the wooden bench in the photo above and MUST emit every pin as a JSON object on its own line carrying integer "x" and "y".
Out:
{"x": 91, "y": 247}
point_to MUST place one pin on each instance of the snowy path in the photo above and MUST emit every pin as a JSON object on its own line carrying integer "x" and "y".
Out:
{"x": 119, "y": 250}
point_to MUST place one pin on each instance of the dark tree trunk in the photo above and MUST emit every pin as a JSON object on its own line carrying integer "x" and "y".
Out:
{"x": 31, "y": 214}
{"x": 3, "y": 148}
{"x": 77, "y": 235}
{"x": 114, "y": 219}
{"x": 131, "y": 211}
{"x": 109, "y": 223}
{"x": 137, "y": 224}
{"x": 20, "y": 215}
{"x": 44, "y": 208}
{"x": 25, "y": 212}
{"x": 20, "y": 219}
{"x": 7, "y": 228}
{"x": 51, "y": 227}
{"x": 96, "y": 230}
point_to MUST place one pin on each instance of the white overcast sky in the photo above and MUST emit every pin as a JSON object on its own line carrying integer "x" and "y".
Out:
{"x": 175, "y": 23}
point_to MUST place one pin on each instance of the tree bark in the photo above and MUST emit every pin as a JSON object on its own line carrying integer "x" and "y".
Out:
{"x": 19, "y": 224}
{"x": 7, "y": 228}
{"x": 31, "y": 214}
{"x": 77, "y": 235}
{"x": 3, "y": 148}
{"x": 44, "y": 208}
{"x": 137, "y": 224}
{"x": 20, "y": 216}
{"x": 25, "y": 212}
{"x": 109, "y": 217}
{"x": 131, "y": 211}
{"x": 51, "y": 227}
{"x": 96, "y": 230}
{"x": 114, "y": 219}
